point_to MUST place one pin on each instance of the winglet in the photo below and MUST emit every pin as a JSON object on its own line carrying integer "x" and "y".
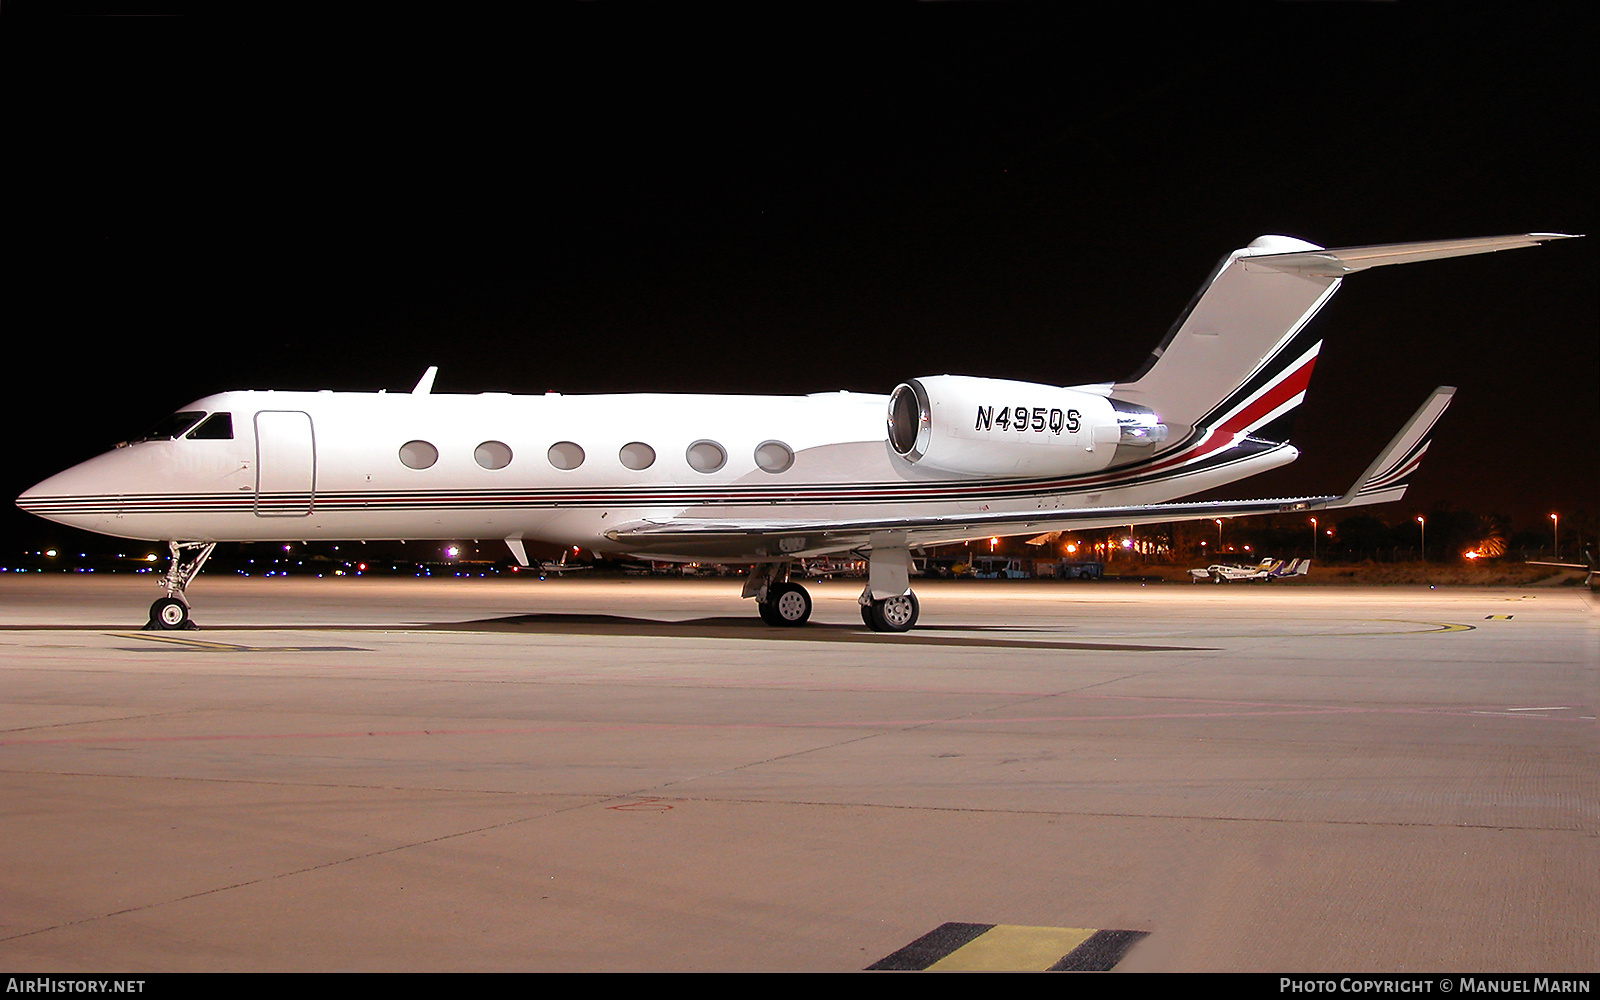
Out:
{"x": 425, "y": 383}
{"x": 1387, "y": 477}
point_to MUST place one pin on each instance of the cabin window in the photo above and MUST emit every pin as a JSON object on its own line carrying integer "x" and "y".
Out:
{"x": 418, "y": 455}
{"x": 493, "y": 454}
{"x": 217, "y": 427}
{"x": 706, "y": 456}
{"x": 173, "y": 426}
{"x": 774, "y": 456}
{"x": 566, "y": 455}
{"x": 637, "y": 455}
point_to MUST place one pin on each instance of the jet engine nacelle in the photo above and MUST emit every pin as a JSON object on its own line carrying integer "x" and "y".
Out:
{"x": 996, "y": 427}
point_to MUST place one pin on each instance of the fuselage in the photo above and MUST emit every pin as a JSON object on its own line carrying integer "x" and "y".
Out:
{"x": 295, "y": 466}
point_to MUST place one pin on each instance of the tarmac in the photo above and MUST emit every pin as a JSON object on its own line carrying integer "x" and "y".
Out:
{"x": 633, "y": 774}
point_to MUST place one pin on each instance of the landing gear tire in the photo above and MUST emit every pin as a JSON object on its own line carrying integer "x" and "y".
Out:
{"x": 787, "y": 604}
{"x": 168, "y": 614}
{"x": 892, "y": 614}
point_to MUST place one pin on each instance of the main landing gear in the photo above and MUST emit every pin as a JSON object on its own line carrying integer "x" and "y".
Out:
{"x": 172, "y": 611}
{"x": 891, "y": 614}
{"x": 779, "y": 600}
{"x": 887, "y": 603}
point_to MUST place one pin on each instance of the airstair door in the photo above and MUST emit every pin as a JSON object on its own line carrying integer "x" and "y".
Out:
{"x": 286, "y": 464}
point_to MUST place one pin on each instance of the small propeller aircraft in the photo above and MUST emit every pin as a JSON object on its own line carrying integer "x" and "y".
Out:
{"x": 560, "y": 566}
{"x": 763, "y": 481}
{"x": 1267, "y": 569}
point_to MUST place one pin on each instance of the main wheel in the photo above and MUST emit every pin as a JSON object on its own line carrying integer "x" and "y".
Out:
{"x": 169, "y": 613}
{"x": 894, "y": 614}
{"x": 786, "y": 604}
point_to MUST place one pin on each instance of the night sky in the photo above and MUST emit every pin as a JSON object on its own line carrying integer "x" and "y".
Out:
{"x": 623, "y": 198}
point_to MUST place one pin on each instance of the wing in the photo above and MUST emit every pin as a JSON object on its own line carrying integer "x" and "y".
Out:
{"x": 758, "y": 540}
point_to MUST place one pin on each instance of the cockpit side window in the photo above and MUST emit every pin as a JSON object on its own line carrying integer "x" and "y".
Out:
{"x": 174, "y": 426}
{"x": 217, "y": 427}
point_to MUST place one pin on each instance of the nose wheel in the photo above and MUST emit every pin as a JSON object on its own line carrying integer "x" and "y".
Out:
{"x": 169, "y": 613}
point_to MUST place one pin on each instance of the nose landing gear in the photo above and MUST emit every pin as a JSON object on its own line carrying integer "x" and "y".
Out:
{"x": 172, "y": 611}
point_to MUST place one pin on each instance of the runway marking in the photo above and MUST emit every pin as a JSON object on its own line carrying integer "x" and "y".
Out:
{"x": 1515, "y": 713}
{"x": 1433, "y": 626}
{"x": 653, "y": 804}
{"x": 963, "y": 947}
{"x": 230, "y": 647}
{"x": 1497, "y": 618}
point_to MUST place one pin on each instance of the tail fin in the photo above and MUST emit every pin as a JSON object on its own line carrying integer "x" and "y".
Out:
{"x": 1239, "y": 358}
{"x": 1297, "y": 567}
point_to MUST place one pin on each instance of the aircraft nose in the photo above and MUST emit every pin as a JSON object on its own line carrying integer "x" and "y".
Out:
{"x": 47, "y": 499}
{"x": 84, "y": 496}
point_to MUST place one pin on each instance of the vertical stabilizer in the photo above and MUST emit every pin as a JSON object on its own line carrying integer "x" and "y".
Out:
{"x": 1239, "y": 358}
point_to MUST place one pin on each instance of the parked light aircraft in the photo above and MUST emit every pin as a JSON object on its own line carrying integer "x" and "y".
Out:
{"x": 1589, "y": 568}
{"x": 762, "y": 481}
{"x": 1267, "y": 569}
{"x": 560, "y": 566}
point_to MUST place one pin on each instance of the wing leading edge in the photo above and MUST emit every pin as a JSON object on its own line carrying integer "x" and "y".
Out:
{"x": 1384, "y": 480}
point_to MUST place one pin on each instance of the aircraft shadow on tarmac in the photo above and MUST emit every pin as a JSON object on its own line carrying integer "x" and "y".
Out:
{"x": 992, "y": 636}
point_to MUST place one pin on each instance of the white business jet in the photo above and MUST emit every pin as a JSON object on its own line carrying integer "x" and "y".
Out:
{"x": 762, "y": 481}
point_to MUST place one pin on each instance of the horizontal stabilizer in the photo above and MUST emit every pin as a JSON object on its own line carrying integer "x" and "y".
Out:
{"x": 1348, "y": 260}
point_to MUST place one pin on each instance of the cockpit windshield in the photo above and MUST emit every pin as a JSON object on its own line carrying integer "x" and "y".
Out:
{"x": 217, "y": 427}
{"x": 170, "y": 427}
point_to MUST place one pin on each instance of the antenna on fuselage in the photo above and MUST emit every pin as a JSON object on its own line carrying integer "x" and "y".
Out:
{"x": 425, "y": 383}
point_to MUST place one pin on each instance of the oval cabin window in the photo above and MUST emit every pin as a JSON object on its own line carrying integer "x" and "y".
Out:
{"x": 566, "y": 455}
{"x": 637, "y": 455}
{"x": 493, "y": 454}
{"x": 418, "y": 455}
{"x": 706, "y": 456}
{"x": 774, "y": 456}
